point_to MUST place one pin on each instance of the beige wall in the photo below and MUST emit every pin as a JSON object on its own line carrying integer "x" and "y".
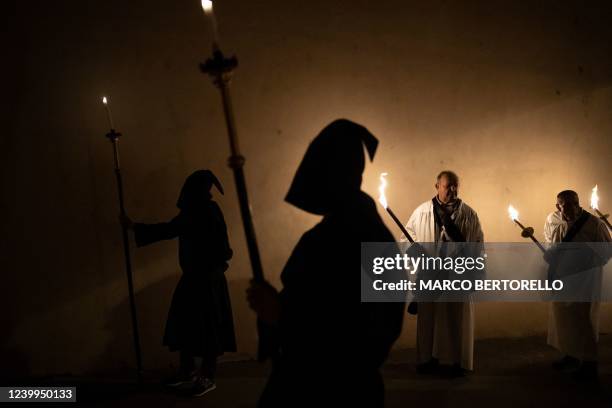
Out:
{"x": 516, "y": 98}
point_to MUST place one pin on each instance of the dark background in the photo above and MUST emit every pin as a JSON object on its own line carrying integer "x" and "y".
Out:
{"x": 515, "y": 97}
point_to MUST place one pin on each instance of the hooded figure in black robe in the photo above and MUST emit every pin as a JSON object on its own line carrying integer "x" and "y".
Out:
{"x": 330, "y": 346}
{"x": 200, "y": 323}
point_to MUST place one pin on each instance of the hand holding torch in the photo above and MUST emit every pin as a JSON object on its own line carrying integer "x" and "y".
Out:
{"x": 382, "y": 199}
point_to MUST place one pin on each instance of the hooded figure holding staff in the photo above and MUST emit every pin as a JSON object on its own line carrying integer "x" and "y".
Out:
{"x": 200, "y": 323}
{"x": 330, "y": 346}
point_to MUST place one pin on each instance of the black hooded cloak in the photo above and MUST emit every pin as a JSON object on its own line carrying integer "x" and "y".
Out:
{"x": 331, "y": 345}
{"x": 200, "y": 319}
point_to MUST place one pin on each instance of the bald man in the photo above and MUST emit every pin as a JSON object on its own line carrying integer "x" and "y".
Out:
{"x": 445, "y": 330}
{"x": 574, "y": 326}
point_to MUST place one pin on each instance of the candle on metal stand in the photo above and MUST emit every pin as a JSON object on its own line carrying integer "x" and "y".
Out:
{"x": 382, "y": 199}
{"x": 207, "y": 6}
{"x": 526, "y": 232}
{"x": 108, "y": 112}
{"x": 595, "y": 206}
{"x": 220, "y": 68}
{"x": 113, "y": 136}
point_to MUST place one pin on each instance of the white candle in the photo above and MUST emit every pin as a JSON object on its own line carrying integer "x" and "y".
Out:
{"x": 207, "y": 6}
{"x": 108, "y": 113}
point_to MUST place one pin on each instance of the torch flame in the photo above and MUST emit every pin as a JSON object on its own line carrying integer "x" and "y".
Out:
{"x": 594, "y": 199}
{"x": 513, "y": 212}
{"x": 104, "y": 100}
{"x": 382, "y": 199}
{"x": 207, "y": 5}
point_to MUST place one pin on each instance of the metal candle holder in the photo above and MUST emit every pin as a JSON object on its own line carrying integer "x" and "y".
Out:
{"x": 220, "y": 68}
{"x": 114, "y": 136}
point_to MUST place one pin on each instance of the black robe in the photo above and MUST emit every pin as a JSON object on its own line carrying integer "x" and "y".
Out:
{"x": 331, "y": 345}
{"x": 200, "y": 319}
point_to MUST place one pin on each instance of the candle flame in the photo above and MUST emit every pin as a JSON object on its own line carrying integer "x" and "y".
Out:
{"x": 207, "y": 5}
{"x": 513, "y": 212}
{"x": 594, "y": 199}
{"x": 104, "y": 100}
{"x": 382, "y": 199}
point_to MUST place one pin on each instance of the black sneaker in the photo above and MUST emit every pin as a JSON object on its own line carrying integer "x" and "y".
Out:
{"x": 202, "y": 386}
{"x": 566, "y": 363}
{"x": 587, "y": 372}
{"x": 456, "y": 371}
{"x": 179, "y": 380}
{"x": 430, "y": 367}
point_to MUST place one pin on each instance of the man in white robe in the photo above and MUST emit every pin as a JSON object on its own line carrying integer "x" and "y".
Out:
{"x": 445, "y": 330}
{"x": 553, "y": 220}
{"x": 573, "y": 327}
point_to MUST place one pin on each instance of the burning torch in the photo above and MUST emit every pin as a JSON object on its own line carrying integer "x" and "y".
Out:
{"x": 526, "y": 232}
{"x": 382, "y": 199}
{"x": 595, "y": 206}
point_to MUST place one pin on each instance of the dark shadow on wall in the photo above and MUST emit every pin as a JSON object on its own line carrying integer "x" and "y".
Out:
{"x": 118, "y": 357}
{"x": 244, "y": 320}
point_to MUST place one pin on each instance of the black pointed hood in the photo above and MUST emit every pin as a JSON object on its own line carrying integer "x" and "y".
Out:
{"x": 196, "y": 190}
{"x": 332, "y": 167}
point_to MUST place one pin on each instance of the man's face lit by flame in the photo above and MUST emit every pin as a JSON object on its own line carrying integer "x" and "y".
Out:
{"x": 447, "y": 189}
{"x": 570, "y": 209}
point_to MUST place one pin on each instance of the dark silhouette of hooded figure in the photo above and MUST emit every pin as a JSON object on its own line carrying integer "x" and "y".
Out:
{"x": 331, "y": 345}
{"x": 200, "y": 322}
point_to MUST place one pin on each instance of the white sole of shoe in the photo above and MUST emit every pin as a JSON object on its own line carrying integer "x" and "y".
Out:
{"x": 177, "y": 384}
{"x": 199, "y": 394}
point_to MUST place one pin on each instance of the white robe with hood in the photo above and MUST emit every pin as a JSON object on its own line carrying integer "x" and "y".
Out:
{"x": 445, "y": 330}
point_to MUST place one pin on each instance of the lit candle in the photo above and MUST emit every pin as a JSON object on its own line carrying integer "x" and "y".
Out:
{"x": 207, "y": 6}
{"x": 108, "y": 112}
